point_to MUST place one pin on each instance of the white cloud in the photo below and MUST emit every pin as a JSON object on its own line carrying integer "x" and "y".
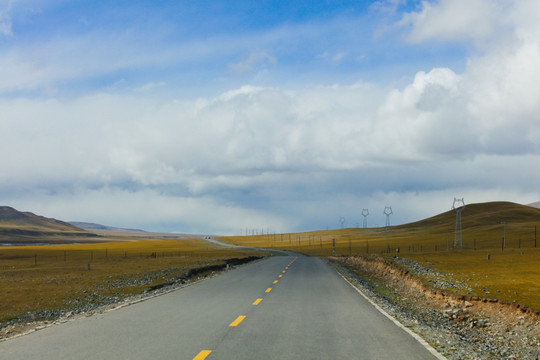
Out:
{"x": 219, "y": 155}
{"x": 5, "y": 18}
{"x": 425, "y": 120}
{"x": 387, "y": 6}
{"x": 334, "y": 58}
{"x": 256, "y": 60}
{"x": 5, "y": 27}
{"x": 454, "y": 20}
{"x": 176, "y": 163}
{"x": 150, "y": 86}
{"x": 493, "y": 104}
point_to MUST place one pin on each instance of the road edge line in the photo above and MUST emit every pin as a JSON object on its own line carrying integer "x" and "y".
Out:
{"x": 417, "y": 337}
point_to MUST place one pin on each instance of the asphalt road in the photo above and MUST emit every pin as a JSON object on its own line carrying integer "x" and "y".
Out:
{"x": 284, "y": 307}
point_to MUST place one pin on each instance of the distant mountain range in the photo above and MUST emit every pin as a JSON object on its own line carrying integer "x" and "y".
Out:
{"x": 98, "y": 227}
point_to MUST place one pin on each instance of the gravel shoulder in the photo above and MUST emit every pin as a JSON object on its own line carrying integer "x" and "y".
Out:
{"x": 458, "y": 328}
{"x": 157, "y": 283}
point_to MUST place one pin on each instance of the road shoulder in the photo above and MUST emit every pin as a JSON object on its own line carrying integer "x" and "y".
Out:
{"x": 454, "y": 330}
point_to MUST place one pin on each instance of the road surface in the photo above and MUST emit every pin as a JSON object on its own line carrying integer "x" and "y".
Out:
{"x": 283, "y": 307}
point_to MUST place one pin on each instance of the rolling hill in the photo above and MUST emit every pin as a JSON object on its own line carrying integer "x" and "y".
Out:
{"x": 535, "y": 204}
{"x": 484, "y": 226}
{"x": 27, "y": 227}
{"x": 490, "y": 225}
{"x": 480, "y": 214}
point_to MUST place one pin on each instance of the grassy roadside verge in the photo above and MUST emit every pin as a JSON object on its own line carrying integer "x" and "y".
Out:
{"x": 456, "y": 327}
{"x": 43, "y": 283}
{"x": 511, "y": 277}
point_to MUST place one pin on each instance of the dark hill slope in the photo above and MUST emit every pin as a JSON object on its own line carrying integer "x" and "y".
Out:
{"x": 17, "y": 226}
{"x": 9, "y": 217}
{"x": 482, "y": 227}
{"x": 481, "y": 214}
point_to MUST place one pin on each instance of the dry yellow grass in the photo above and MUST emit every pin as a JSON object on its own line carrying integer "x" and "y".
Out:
{"x": 53, "y": 277}
{"x": 512, "y": 274}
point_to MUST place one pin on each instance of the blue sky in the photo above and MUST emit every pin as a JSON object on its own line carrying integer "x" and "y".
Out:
{"x": 212, "y": 116}
{"x": 198, "y": 47}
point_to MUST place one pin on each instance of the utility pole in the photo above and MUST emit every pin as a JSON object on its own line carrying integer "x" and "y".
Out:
{"x": 365, "y": 213}
{"x": 387, "y": 211}
{"x": 458, "y": 229}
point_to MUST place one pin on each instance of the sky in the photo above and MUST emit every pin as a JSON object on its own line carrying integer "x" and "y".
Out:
{"x": 220, "y": 117}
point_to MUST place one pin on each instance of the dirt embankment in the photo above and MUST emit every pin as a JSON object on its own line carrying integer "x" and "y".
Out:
{"x": 460, "y": 327}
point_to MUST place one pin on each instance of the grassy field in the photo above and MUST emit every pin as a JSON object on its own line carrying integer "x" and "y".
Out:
{"x": 38, "y": 279}
{"x": 511, "y": 274}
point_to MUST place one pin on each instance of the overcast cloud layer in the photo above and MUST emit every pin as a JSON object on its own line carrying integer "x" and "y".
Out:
{"x": 211, "y": 119}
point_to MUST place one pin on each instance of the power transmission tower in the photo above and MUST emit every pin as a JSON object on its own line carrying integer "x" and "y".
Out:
{"x": 458, "y": 230}
{"x": 365, "y": 213}
{"x": 342, "y": 221}
{"x": 387, "y": 211}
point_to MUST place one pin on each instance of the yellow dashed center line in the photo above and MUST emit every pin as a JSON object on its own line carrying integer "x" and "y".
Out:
{"x": 202, "y": 355}
{"x": 257, "y": 302}
{"x": 238, "y": 320}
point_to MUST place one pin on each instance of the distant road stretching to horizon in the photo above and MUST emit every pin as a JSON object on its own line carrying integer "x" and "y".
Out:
{"x": 282, "y": 307}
